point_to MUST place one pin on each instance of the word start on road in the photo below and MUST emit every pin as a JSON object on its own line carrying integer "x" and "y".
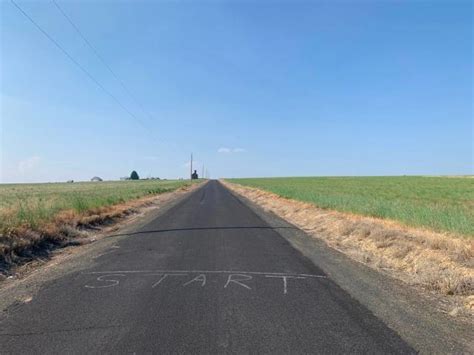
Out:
{"x": 195, "y": 278}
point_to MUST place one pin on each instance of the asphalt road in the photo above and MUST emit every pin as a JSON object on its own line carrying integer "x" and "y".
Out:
{"x": 208, "y": 276}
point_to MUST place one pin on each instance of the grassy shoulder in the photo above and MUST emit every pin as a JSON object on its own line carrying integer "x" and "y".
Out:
{"x": 438, "y": 203}
{"x": 36, "y": 218}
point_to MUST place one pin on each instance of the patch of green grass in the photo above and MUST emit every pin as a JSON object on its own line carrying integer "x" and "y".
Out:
{"x": 438, "y": 203}
{"x": 32, "y": 204}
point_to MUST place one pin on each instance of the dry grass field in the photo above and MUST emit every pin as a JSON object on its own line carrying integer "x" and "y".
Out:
{"x": 33, "y": 205}
{"x": 35, "y": 218}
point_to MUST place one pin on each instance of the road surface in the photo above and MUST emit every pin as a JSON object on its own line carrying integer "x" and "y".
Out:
{"x": 208, "y": 276}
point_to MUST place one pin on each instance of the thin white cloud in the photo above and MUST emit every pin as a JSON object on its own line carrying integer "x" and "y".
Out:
{"x": 29, "y": 164}
{"x": 150, "y": 157}
{"x": 225, "y": 150}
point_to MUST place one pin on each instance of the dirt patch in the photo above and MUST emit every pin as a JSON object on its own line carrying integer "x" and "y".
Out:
{"x": 28, "y": 248}
{"x": 437, "y": 262}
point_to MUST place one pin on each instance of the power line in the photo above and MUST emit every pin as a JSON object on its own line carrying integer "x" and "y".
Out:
{"x": 84, "y": 70}
{"x": 128, "y": 91}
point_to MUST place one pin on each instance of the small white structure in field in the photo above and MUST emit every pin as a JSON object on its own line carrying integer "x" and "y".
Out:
{"x": 96, "y": 178}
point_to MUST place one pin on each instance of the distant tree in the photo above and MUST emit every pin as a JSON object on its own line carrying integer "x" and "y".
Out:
{"x": 134, "y": 175}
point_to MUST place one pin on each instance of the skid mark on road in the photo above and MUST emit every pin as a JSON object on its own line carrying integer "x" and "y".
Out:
{"x": 203, "y": 197}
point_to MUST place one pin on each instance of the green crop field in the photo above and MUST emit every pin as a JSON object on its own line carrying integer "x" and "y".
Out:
{"x": 30, "y": 205}
{"x": 437, "y": 203}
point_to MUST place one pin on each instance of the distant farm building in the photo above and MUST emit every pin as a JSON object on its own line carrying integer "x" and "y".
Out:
{"x": 194, "y": 175}
{"x": 96, "y": 178}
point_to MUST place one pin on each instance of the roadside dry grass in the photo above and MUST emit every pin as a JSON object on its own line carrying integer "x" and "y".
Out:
{"x": 32, "y": 227}
{"x": 439, "y": 262}
{"x": 32, "y": 205}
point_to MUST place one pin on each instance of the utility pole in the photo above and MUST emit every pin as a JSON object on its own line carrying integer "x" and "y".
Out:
{"x": 202, "y": 175}
{"x": 191, "y": 171}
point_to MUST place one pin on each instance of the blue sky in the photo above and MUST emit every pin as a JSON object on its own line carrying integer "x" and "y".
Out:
{"x": 252, "y": 88}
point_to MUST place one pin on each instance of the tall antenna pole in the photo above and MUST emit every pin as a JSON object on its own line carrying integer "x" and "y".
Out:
{"x": 191, "y": 171}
